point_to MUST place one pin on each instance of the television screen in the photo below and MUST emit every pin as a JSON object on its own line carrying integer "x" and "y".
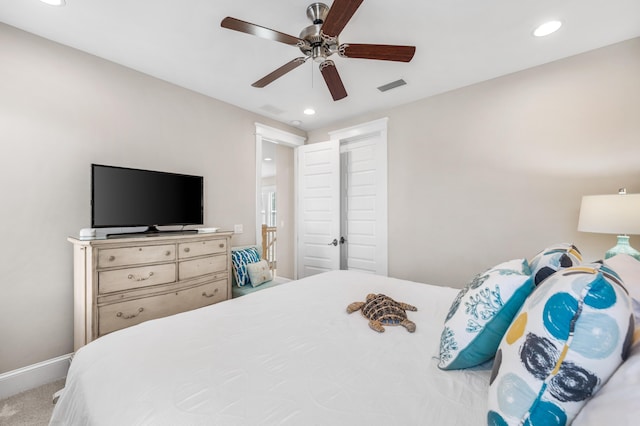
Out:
{"x": 123, "y": 197}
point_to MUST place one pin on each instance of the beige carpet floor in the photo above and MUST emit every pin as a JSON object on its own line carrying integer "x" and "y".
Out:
{"x": 30, "y": 408}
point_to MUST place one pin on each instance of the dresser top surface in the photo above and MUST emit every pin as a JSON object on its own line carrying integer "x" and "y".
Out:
{"x": 148, "y": 238}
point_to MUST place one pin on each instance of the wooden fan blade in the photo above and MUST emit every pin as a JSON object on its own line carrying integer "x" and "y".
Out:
{"x": 332, "y": 78}
{"x": 340, "y": 13}
{"x": 382, "y": 52}
{"x": 280, "y": 72}
{"x": 257, "y": 30}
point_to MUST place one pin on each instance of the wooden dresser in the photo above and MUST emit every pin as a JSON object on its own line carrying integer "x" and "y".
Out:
{"x": 121, "y": 282}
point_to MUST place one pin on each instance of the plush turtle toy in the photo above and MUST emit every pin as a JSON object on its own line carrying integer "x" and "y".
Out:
{"x": 383, "y": 310}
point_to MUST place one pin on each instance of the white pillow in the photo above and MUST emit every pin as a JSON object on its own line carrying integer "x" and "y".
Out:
{"x": 628, "y": 268}
{"x": 259, "y": 273}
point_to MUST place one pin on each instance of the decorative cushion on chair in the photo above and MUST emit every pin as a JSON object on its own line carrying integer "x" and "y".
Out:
{"x": 259, "y": 273}
{"x": 240, "y": 259}
{"x": 571, "y": 334}
{"x": 481, "y": 314}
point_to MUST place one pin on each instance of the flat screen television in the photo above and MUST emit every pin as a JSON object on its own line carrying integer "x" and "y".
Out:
{"x": 123, "y": 197}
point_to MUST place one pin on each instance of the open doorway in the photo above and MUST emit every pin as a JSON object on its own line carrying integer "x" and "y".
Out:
{"x": 275, "y": 225}
{"x": 269, "y": 206}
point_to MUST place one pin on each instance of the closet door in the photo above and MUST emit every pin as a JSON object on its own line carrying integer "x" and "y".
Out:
{"x": 318, "y": 208}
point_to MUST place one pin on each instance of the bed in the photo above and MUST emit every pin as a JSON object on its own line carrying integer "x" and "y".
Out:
{"x": 288, "y": 355}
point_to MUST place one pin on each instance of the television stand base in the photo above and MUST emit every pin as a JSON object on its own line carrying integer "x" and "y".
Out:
{"x": 152, "y": 231}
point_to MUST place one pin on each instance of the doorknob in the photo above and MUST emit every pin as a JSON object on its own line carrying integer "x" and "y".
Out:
{"x": 333, "y": 243}
{"x": 342, "y": 240}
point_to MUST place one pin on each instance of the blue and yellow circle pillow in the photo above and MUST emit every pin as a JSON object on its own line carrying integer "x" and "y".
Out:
{"x": 553, "y": 259}
{"x": 569, "y": 337}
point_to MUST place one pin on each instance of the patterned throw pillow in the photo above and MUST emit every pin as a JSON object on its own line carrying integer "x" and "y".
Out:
{"x": 259, "y": 273}
{"x": 553, "y": 259}
{"x": 481, "y": 314}
{"x": 571, "y": 334}
{"x": 240, "y": 259}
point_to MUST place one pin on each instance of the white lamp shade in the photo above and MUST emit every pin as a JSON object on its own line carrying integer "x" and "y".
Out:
{"x": 610, "y": 214}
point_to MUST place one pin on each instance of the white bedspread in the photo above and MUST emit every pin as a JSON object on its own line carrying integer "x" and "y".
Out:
{"x": 289, "y": 355}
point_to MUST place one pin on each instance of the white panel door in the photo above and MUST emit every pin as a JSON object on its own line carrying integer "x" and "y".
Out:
{"x": 318, "y": 214}
{"x": 363, "y": 205}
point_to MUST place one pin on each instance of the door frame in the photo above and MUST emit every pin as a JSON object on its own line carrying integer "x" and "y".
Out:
{"x": 266, "y": 133}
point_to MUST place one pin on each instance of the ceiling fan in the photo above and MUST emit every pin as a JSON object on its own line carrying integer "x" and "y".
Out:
{"x": 320, "y": 40}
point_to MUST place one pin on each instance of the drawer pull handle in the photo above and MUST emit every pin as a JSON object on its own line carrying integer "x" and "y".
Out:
{"x": 222, "y": 245}
{"x": 133, "y": 277}
{"x": 187, "y": 249}
{"x": 167, "y": 253}
{"x": 123, "y": 316}
{"x": 112, "y": 258}
{"x": 204, "y": 293}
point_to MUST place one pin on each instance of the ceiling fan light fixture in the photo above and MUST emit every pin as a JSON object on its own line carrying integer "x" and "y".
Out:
{"x": 318, "y": 54}
{"x": 547, "y": 28}
{"x": 54, "y": 2}
{"x": 309, "y": 111}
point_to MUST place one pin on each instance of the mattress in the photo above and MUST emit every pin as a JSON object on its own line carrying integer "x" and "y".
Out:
{"x": 288, "y": 355}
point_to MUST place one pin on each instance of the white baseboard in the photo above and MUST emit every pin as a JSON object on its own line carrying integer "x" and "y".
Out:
{"x": 32, "y": 376}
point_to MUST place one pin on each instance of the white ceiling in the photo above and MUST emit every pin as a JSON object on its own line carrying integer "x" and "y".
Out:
{"x": 459, "y": 42}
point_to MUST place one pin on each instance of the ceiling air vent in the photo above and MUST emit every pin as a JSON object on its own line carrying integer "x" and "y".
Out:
{"x": 271, "y": 109}
{"x": 392, "y": 85}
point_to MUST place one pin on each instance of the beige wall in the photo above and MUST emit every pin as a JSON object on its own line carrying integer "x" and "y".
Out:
{"x": 496, "y": 170}
{"x": 60, "y": 111}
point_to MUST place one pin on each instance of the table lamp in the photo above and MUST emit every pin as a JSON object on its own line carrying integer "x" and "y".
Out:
{"x": 612, "y": 214}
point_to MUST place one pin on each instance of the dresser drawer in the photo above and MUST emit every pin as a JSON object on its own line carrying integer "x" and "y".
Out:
{"x": 125, "y": 314}
{"x": 201, "y": 248}
{"x": 202, "y": 266}
{"x": 131, "y": 278}
{"x": 135, "y": 255}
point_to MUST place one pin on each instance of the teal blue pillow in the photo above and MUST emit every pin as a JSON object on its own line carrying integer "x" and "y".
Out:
{"x": 482, "y": 312}
{"x": 240, "y": 259}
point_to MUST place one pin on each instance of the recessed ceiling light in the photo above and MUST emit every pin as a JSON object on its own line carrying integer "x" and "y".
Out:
{"x": 295, "y": 122}
{"x": 54, "y": 2}
{"x": 268, "y": 159}
{"x": 547, "y": 28}
{"x": 309, "y": 111}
